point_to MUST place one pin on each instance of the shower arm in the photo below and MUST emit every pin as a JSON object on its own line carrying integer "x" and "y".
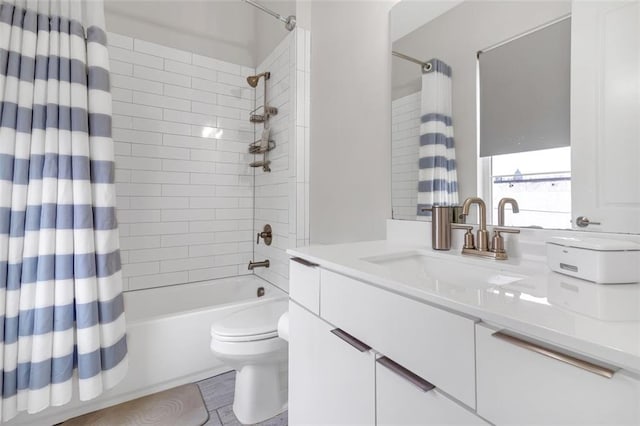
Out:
{"x": 289, "y": 22}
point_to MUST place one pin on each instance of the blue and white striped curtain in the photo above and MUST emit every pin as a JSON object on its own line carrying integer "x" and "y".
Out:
{"x": 437, "y": 176}
{"x": 61, "y": 308}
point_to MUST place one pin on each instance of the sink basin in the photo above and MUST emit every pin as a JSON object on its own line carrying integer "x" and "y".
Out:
{"x": 438, "y": 268}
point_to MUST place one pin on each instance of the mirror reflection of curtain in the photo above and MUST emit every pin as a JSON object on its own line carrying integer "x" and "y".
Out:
{"x": 437, "y": 176}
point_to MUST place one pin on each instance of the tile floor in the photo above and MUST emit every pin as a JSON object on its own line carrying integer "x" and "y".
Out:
{"x": 217, "y": 392}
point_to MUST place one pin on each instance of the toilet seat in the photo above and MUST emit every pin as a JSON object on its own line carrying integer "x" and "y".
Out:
{"x": 257, "y": 322}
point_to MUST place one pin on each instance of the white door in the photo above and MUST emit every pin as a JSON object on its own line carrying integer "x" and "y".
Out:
{"x": 331, "y": 382}
{"x": 605, "y": 115}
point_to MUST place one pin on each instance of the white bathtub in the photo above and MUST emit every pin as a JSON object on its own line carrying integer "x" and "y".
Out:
{"x": 168, "y": 339}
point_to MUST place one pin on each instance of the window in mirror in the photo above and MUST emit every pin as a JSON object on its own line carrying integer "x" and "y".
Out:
{"x": 541, "y": 183}
{"x": 524, "y": 104}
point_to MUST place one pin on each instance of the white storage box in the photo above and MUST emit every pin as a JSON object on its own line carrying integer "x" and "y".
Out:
{"x": 600, "y": 260}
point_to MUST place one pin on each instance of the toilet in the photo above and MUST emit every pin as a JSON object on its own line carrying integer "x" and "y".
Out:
{"x": 247, "y": 340}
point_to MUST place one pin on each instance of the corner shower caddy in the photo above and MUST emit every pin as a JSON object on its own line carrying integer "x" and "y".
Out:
{"x": 262, "y": 114}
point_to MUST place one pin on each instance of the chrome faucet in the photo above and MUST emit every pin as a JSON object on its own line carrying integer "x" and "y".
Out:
{"x": 501, "y": 204}
{"x": 483, "y": 235}
{"x": 482, "y": 249}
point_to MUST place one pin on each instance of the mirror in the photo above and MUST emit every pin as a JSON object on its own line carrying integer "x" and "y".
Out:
{"x": 575, "y": 165}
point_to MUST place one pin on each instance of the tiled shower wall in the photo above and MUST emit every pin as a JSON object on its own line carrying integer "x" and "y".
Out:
{"x": 405, "y": 143}
{"x": 185, "y": 191}
{"x": 281, "y": 195}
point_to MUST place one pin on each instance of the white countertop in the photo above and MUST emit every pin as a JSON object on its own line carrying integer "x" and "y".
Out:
{"x": 600, "y": 321}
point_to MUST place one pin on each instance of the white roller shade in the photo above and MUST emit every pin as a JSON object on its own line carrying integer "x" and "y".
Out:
{"x": 524, "y": 92}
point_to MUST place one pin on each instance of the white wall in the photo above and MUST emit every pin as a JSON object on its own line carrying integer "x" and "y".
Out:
{"x": 233, "y": 31}
{"x": 185, "y": 201}
{"x": 350, "y": 121}
{"x": 455, "y": 37}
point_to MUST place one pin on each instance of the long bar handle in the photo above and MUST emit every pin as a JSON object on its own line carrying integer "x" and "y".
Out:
{"x": 304, "y": 262}
{"x": 359, "y": 345}
{"x": 412, "y": 378}
{"x": 559, "y": 356}
{"x": 506, "y": 230}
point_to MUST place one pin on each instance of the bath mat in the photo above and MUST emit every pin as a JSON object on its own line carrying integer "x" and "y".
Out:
{"x": 178, "y": 406}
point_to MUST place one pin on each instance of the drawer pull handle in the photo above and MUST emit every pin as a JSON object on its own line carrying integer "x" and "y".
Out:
{"x": 559, "y": 356}
{"x": 359, "y": 345}
{"x": 412, "y": 378}
{"x": 304, "y": 262}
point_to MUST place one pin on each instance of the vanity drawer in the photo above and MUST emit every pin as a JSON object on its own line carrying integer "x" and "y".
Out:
{"x": 517, "y": 383}
{"x": 435, "y": 344}
{"x": 304, "y": 283}
{"x": 404, "y": 399}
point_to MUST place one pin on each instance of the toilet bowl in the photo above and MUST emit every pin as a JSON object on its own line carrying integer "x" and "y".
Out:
{"x": 247, "y": 340}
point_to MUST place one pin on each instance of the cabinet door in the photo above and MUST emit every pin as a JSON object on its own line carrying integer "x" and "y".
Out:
{"x": 402, "y": 398}
{"x": 331, "y": 382}
{"x": 605, "y": 106}
{"x": 521, "y": 381}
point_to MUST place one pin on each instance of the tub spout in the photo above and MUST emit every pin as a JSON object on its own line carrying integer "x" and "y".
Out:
{"x": 262, "y": 264}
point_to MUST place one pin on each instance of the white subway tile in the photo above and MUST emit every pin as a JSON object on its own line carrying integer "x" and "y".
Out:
{"x": 159, "y": 228}
{"x": 118, "y": 40}
{"x": 212, "y": 249}
{"x": 188, "y": 166}
{"x": 126, "y": 82}
{"x": 137, "y": 269}
{"x": 121, "y": 148}
{"x": 137, "y": 189}
{"x": 157, "y": 254}
{"x": 131, "y": 243}
{"x": 121, "y": 122}
{"x": 187, "y": 190}
{"x": 204, "y": 108}
{"x": 153, "y": 74}
{"x": 187, "y": 239}
{"x": 125, "y": 108}
{"x": 137, "y": 137}
{"x": 138, "y": 216}
{"x": 190, "y": 118}
{"x": 142, "y": 176}
{"x": 190, "y": 94}
{"x": 159, "y": 202}
{"x": 213, "y": 202}
{"x": 188, "y": 264}
{"x": 122, "y": 68}
{"x": 162, "y": 51}
{"x": 190, "y": 70}
{"x": 160, "y": 101}
{"x": 189, "y": 142}
{"x": 232, "y": 79}
{"x": 161, "y": 126}
{"x": 215, "y": 226}
{"x": 216, "y": 64}
{"x": 158, "y": 280}
{"x": 159, "y": 152}
{"x": 233, "y": 102}
{"x": 122, "y": 95}
{"x": 223, "y": 214}
{"x": 137, "y": 163}
{"x": 135, "y": 58}
{"x": 213, "y": 273}
{"x": 190, "y": 214}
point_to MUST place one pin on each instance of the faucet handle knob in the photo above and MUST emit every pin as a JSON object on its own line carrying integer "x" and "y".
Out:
{"x": 500, "y": 229}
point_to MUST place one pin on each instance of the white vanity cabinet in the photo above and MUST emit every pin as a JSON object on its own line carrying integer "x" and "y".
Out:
{"x": 518, "y": 383}
{"x": 331, "y": 376}
{"x": 402, "y": 398}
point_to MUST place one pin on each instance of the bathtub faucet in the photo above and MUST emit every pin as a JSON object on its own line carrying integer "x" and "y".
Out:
{"x": 262, "y": 264}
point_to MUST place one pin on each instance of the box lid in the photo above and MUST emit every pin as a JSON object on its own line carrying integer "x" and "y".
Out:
{"x": 593, "y": 243}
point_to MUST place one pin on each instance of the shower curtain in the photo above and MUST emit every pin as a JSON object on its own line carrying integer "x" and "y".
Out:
{"x": 62, "y": 326}
{"x": 437, "y": 176}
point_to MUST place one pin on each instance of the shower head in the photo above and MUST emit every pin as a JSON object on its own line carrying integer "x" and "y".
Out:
{"x": 253, "y": 79}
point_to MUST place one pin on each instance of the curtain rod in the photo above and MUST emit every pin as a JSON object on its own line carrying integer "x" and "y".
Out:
{"x": 289, "y": 21}
{"x": 426, "y": 66}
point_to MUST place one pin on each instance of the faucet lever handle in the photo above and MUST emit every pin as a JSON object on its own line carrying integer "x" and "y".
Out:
{"x": 500, "y": 229}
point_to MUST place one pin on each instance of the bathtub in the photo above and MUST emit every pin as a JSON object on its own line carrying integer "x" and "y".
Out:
{"x": 168, "y": 338}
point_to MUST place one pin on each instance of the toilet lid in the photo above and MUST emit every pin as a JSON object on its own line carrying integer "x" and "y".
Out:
{"x": 254, "y": 323}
